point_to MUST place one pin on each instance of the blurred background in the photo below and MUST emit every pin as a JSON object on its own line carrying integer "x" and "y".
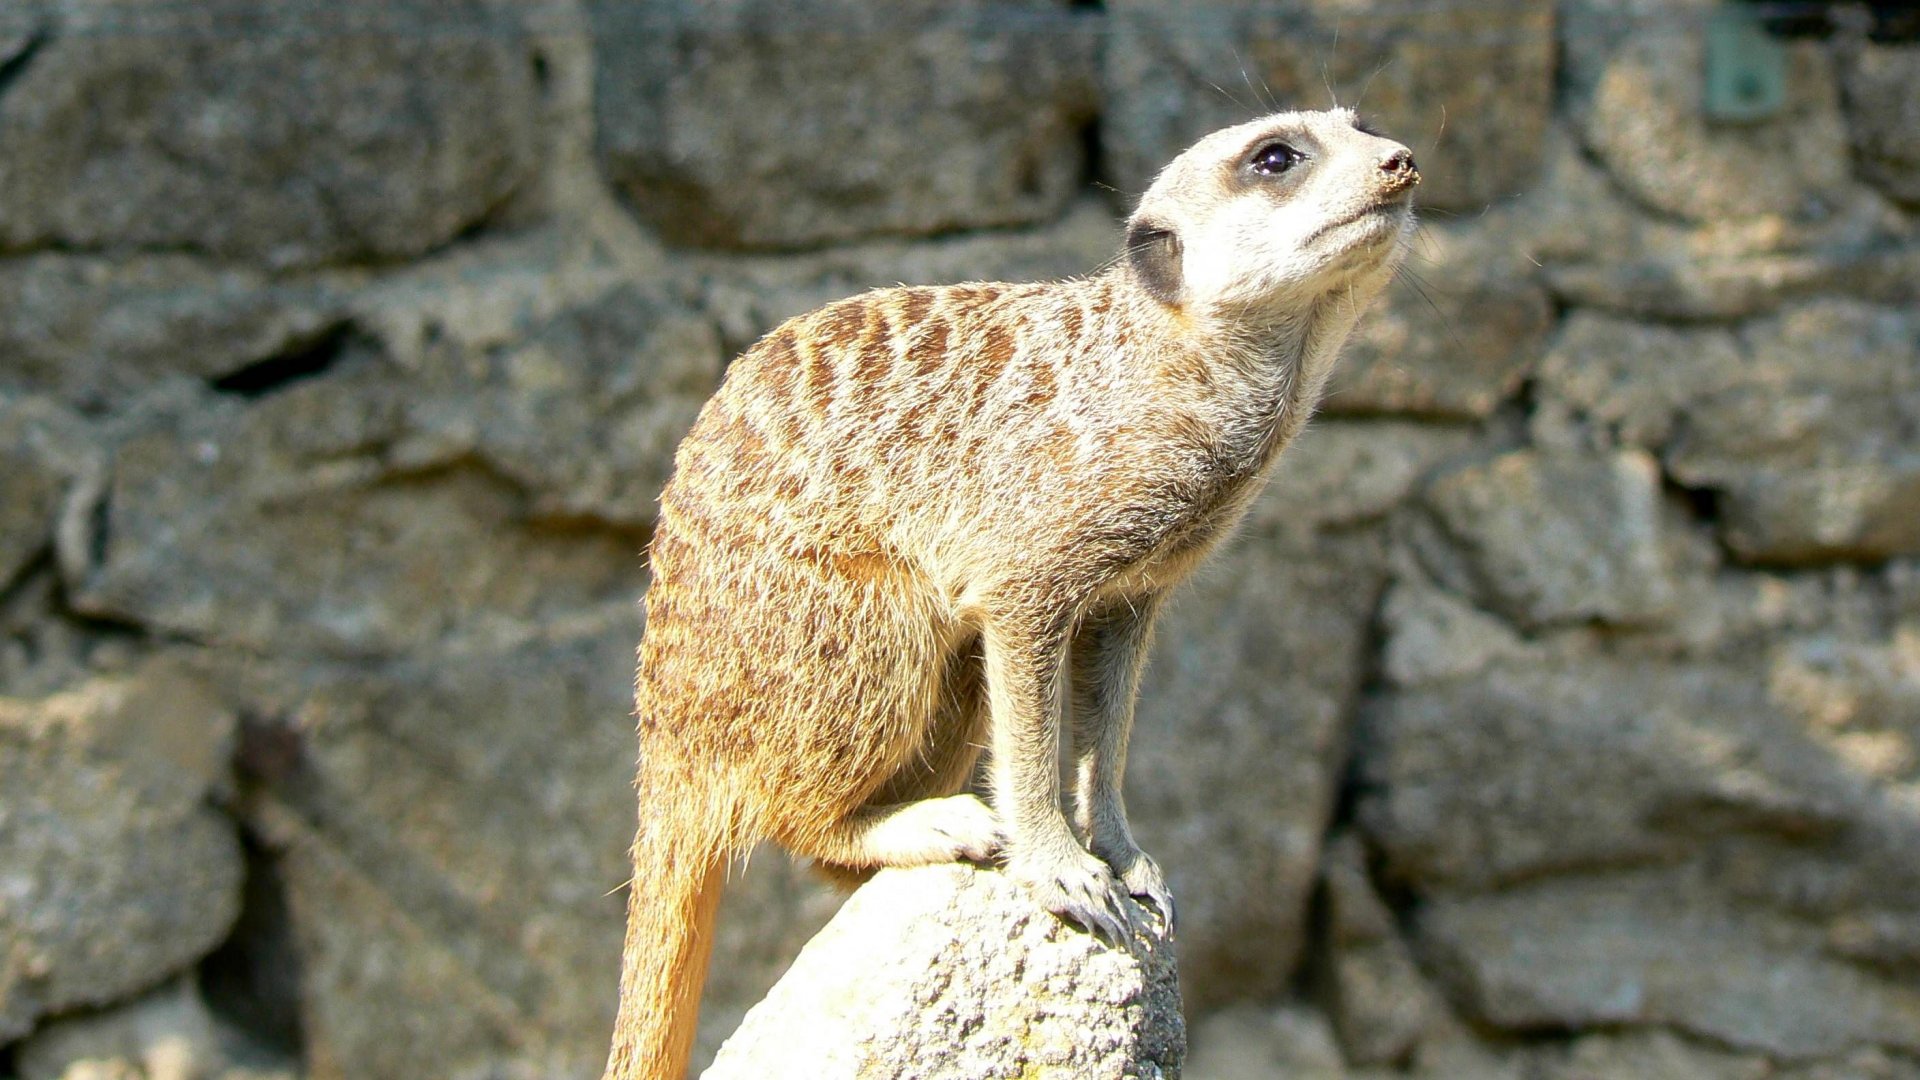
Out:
{"x": 1554, "y": 717}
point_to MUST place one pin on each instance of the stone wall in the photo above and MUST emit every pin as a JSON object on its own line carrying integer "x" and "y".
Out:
{"x": 1556, "y": 715}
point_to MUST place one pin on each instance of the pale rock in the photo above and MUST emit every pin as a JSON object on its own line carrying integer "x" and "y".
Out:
{"x": 1597, "y": 248}
{"x": 1654, "y": 1055}
{"x": 584, "y": 409}
{"x": 1257, "y": 1042}
{"x": 454, "y": 889}
{"x": 1346, "y": 472}
{"x": 954, "y": 972}
{"x": 1624, "y": 764}
{"x": 166, "y": 1035}
{"x": 392, "y": 498}
{"x": 457, "y": 890}
{"x": 1433, "y": 635}
{"x": 98, "y": 331}
{"x": 1660, "y": 947}
{"x": 1860, "y": 699}
{"x": 287, "y": 525}
{"x": 1627, "y": 382}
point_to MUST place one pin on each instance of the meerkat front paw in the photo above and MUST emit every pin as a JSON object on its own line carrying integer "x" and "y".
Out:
{"x": 1079, "y": 889}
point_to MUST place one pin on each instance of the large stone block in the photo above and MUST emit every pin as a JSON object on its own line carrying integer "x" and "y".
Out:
{"x": 1599, "y": 248}
{"x": 763, "y": 124}
{"x": 1662, "y": 948}
{"x": 1637, "y": 90}
{"x": 297, "y": 524}
{"x": 169, "y": 1034}
{"x": 1722, "y": 847}
{"x": 98, "y": 331}
{"x": 115, "y": 872}
{"x": 1549, "y": 538}
{"x": 1614, "y": 381}
{"x": 277, "y": 132}
{"x": 1811, "y": 448}
{"x": 1529, "y": 770}
{"x": 382, "y": 501}
{"x": 1341, "y": 473}
{"x": 454, "y": 888}
{"x": 583, "y": 409}
{"x": 1470, "y": 89}
{"x": 1381, "y": 1005}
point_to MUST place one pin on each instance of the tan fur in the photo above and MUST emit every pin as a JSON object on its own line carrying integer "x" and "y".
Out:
{"x": 926, "y": 520}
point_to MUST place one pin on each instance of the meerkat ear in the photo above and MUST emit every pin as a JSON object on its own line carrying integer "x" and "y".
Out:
{"x": 1154, "y": 251}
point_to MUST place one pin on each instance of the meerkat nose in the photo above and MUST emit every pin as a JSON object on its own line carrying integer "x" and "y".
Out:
{"x": 1399, "y": 171}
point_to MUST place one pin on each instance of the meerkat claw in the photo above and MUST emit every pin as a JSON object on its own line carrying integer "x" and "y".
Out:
{"x": 1087, "y": 894}
{"x": 1145, "y": 881}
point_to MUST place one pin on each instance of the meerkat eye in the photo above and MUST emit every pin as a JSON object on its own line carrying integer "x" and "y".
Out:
{"x": 1275, "y": 158}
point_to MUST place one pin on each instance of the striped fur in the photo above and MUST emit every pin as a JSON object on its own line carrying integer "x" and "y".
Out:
{"x": 910, "y": 523}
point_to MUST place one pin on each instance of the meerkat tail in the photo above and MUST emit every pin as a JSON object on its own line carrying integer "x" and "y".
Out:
{"x": 670, "y": 914}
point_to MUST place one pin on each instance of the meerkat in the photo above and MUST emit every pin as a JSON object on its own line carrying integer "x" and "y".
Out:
{"x": 922, "y": 521}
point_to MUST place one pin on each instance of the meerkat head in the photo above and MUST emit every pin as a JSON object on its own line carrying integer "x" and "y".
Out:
{"x": 1269, "y": 214}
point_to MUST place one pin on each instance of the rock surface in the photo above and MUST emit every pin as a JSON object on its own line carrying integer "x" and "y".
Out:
{"x": 954, "y": 972}
{"x": 287, "y": 134}
{"x": 44, "y": 452}
{"x": 852, "y": 120}
{"x": 475, "y": 869}
{"x": 1454, "y": 336}
{"x": 169, "y": 1034}
{"x": 1813, "y": 446}
{"x": 115, "y": 870}
{"x": 1555, "y": 715}
{"x": 422, "y": 464}
{"x": 1883, "y": 116}
{"x": 1243, "y": 867}
{"x": 97, "y": 331}
{"x": 1547, "y": 538}
{"x": 1641, "y": 114}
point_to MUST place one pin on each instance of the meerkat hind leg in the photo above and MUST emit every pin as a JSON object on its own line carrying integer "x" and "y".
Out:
{"x": 920, "y": 815}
